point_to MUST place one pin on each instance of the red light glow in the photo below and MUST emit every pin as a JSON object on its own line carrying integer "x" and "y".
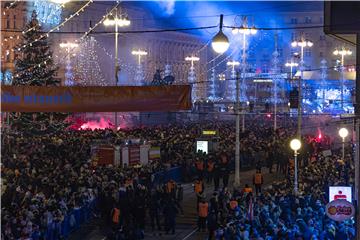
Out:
{"x": 102, "y": 124}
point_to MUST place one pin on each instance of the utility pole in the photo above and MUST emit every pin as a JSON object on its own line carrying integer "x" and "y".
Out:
{"x": 237, "y": 145}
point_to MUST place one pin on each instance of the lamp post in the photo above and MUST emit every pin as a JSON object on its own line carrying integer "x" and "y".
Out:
{"x": 230, "y": 84}
{"x": 191, "y": 76}
{"x": 343, "y": 133}
{"x": 291, "y": 65}
{"x": 139, "y": 76}
{"x": 69, "y": 46}
{"x": 343, "y": 52}
{"x": 116, "y": 22}
{"x": 245, "y": 31}
{"x": 295, "y": 145}
{"x": 302, "y": 44}
{"x": 139, "y": 53}
{"x": 220, "y": 44}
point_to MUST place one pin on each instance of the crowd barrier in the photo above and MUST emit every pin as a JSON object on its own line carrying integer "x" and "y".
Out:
{"x": 161, "y": 177}
{"x": 72, "y": 221}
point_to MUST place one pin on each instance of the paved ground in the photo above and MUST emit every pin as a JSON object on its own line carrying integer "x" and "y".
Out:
{"x": 186, "y": 224}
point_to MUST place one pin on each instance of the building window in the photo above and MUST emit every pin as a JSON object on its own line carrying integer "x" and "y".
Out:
{"x": 14, "y": 22}
{"x": 308, "y": 53}
{"x": 7, "y": 21}
{"x": 293, "y": 20}
{"x": 307, "y": 19}
{"x": 321, "y": 54}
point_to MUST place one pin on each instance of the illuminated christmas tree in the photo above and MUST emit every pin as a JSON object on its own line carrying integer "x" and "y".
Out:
{"x": 87, "y": 70}
{"x": 34, "y": 67}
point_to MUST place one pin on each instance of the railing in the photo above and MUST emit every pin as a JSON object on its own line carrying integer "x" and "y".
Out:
{"x": 72, "y": 221}
{"x": 174, "y": 173}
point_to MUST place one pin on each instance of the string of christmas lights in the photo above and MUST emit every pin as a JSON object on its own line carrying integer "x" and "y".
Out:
{"x": 227, "y": 57}
{"x": 12, "y": 4}
{"x": 131, "y": 67}
{"x": 101, "y": 21}
{"x": 57, "y": 28}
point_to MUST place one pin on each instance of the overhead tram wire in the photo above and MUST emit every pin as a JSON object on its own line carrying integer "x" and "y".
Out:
{"x": 191, "y": 29}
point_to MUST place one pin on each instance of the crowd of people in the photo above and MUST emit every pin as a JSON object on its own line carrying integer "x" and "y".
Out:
{"x": 276, "y": 212}
{"x": 45, "y": 177}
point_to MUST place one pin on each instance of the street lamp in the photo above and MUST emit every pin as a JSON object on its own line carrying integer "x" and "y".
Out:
{"x": 233, "y": 64}
{"x": 343, "y": 132}
{"x": 116, "y": 22}
{"x": 244, "y": 30}
{"x": 343, "y": 52}
{"x": 302, "y": 44}
{"x": 139, "y": 74}
{"x": 220, "y": 42}
{"x": 69, "y": 47}
{"x": 191, "y": 76}
{"x": 295, "y": 145}
{"x": 192, "y": 59}
{"x": 139, "y": 53}
{"x": 291, "y": 65}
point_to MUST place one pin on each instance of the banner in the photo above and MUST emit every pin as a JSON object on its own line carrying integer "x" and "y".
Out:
{"x": 154, "y": 153}
{"x": 340, "y": 210}
{"x": 95, "y": 99}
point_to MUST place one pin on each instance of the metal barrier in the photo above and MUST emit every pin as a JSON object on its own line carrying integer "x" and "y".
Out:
{"x": 164, "y": 176}
{"x": 72, "y": 221}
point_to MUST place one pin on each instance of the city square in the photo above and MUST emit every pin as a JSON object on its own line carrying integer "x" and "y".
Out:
{"x": 180, "y": 120}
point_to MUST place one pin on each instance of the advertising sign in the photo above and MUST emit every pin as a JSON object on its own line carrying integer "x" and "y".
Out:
{"x": 95, "y": 99}
{"x": 340, "y": 210}
{"x": 202, "y": 146}
{"x": 154, "y": 153}
{"x": 209, "y": 132}
{"x": 340, "y": 192}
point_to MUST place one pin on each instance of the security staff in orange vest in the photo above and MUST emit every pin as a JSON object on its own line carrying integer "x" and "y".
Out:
{"x": 115, "y": 217}
{"x": 247, "y": 189}
{"x": 199, "y": 191}
{"x": 198, "y": 186}
{"x": 203, "y": 213}
{"x": 258, "y": 180}
{"x": 170, "y": 187}
{"x": 210, "y": 169}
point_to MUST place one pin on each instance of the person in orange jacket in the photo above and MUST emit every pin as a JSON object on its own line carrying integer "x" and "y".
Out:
{"x": 247, "y": 189}
{"x": 115, "y": 217}
{"x": 199, "y": 190}
{"x": 258, "y": 180}
{"x": 203, "y": 213}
